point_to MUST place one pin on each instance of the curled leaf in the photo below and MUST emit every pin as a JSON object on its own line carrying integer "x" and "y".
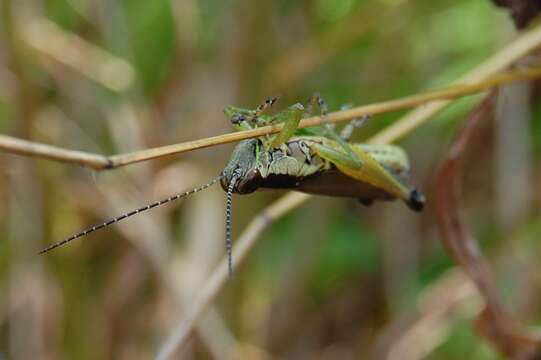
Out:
{"x": 495, "y": 324}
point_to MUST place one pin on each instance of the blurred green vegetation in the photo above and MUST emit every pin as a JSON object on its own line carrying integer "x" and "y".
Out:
{"x": 330, "y": 279}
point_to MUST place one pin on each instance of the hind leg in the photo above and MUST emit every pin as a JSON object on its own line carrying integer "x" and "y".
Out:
{"x": 328, "y": 127}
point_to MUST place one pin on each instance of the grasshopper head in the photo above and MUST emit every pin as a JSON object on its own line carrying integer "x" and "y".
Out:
{"x": 242, "y": 167}
{"x": 229, "y": 111}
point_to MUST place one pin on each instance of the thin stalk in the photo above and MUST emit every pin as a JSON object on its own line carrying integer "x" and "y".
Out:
{"x": 100, "y": 162}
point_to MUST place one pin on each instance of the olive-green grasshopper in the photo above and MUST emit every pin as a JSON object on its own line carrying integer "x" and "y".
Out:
{"x": 316, "y": 161}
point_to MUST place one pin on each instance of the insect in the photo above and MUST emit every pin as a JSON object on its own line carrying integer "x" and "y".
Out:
{"x": 316, "y": 160}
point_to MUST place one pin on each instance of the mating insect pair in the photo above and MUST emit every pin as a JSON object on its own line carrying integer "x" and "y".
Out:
{"x": 316, "y": 161}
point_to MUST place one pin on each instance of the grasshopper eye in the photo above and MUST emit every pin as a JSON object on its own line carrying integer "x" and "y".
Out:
{"x": 245, "y": 183}
{"x": 250, "y": 182}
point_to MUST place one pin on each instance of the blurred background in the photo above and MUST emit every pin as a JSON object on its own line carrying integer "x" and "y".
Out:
{"x": 332, "y": 279}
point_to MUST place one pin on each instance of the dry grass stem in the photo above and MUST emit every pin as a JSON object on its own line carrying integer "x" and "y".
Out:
{"x": 452, "y": 297}
{"x": 434, "y": 101}
{"x": 86, "y": 84}
{"x": 522, "y": 46}
{"x": 219, "y": 277}
{"x": 334, "y": 117}
{"x": 399, "y": 129}
{"x": 30, "y": 148}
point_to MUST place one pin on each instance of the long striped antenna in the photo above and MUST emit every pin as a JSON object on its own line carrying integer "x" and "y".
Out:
{"x": 228, "y": 206}
{"x": 131, "y": 213}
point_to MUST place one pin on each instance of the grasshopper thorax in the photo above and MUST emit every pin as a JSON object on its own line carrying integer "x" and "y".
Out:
{"x": 243, "y": 168}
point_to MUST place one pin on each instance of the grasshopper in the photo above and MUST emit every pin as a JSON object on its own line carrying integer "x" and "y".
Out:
{"x": 315, "y": 161}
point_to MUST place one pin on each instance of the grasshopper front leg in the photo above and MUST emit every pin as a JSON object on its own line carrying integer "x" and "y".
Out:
{"x": 293, "y": 115}
{"x": 291, "y": 118}
{"x": 371, "y": 172}
{"x": 245, "y": 119}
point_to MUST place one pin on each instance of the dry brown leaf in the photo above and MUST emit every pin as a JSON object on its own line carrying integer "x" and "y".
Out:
{"x": 495, "y": 324}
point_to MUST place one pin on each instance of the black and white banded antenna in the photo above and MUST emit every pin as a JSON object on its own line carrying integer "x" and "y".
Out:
{"x": 131, "y": 213}
{"x": 228, "y": 206}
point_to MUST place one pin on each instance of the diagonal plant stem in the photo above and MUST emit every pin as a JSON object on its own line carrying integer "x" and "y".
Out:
{"x": 518, "y": 49}
{"x": 481, "y": 78}
{"x": 335, "y": 117}
{"x": 515, "y": 51}
{"x": 219, "y": 277}
{"x": 99, "y": 162}
{"x": 31, "y": 148}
